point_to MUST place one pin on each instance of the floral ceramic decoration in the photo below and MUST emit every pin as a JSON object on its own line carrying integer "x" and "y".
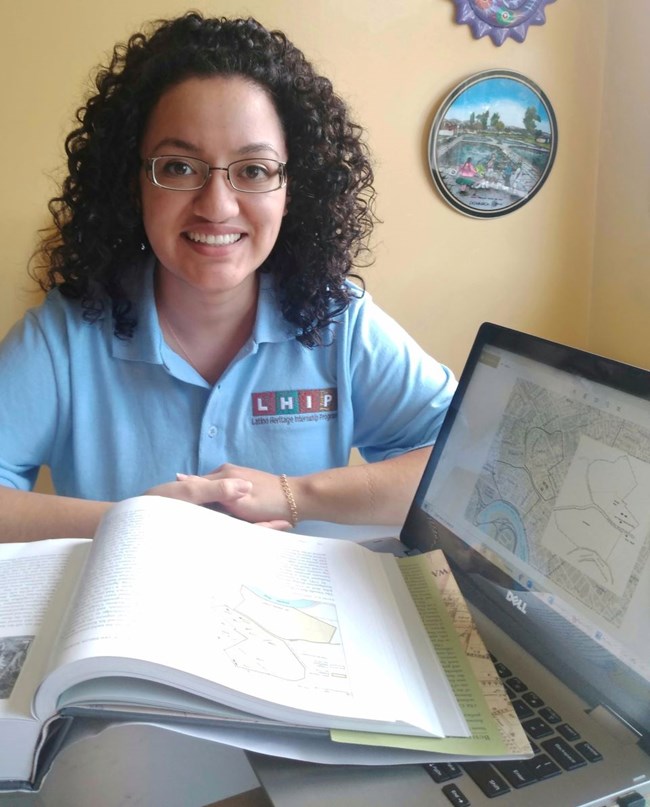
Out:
{"x": 501, "y": 18}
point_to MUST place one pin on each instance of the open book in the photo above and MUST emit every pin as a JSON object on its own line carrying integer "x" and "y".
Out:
{"x": 177, "y": 615}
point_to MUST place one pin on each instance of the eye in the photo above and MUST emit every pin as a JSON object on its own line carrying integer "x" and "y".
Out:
{"x": 176, "y": 167}
{"x": 255, "y": 171}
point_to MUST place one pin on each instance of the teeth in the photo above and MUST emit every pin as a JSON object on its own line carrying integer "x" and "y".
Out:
{"x": 214, "y": 240}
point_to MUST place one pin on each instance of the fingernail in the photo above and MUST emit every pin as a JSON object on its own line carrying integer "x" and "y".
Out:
{"x": 181, "y": 477}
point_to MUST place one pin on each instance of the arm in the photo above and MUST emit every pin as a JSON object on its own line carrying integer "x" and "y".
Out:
{"x": 30, "y": 516}
{"x": 372, "y": 493}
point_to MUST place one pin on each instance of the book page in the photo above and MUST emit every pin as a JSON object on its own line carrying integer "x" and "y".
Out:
{"x": 37, "y": 581}
{"x": 495, "y": 729}
{"x": 187, "y": 596}
{"x": 498, "y": 702}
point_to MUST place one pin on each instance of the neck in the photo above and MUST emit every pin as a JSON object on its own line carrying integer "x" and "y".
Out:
{"x": 207, "y": 333}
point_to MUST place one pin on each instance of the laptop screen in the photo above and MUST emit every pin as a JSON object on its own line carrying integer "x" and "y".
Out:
{"x": 538, "y": 491}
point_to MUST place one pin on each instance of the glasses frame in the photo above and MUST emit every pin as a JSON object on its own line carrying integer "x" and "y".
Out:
{"x": 150, "y": 162}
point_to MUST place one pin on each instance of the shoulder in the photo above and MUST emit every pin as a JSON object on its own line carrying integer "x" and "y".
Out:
{"x": 56, "y": 327}
{"x": 360, "y": 306}
{"x": 377, "y": 340}
{"x": 57, "y": 309}
{"x": 53, "y": 316}
{"x": 37, "y": 346}
{"x": 369, "y": 322}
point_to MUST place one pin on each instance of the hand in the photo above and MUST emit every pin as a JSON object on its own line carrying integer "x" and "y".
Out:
{"x": 264, "y": 503}
{"x": 231, "y": 490}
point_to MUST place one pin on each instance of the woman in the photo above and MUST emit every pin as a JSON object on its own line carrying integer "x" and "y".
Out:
{"x": 467, "y": 175}
{"x": 201, "y": 337}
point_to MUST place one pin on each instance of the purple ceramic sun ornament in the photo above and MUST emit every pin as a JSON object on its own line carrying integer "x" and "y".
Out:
{"x": 501, "y": 18}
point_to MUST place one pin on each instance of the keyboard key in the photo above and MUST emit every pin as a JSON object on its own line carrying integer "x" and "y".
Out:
{"x": 456, "y": 796}
{"x": 568, "y": 732}
{"x": 544, "y": 767}
{"x": 550, "y": 715}
{"x": 522, "y": 710}
{"x": 533, "y": 699}
{"x": 442, "y": 771}
{"x": 510, "y": 692}
{"x": 537, "y": 728}
{"x": 590, "y": 753}
{"x": 517, "y": 684}
{"x": 486, "y": 778}
{"x": 502, "y": 670}
{"x": 565, "y": 755}
{"x": 517, "y": 772}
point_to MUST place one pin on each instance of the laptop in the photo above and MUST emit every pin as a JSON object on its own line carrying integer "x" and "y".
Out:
{"x": 538, "y": 492}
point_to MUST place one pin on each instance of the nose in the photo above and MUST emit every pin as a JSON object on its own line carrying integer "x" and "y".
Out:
{"x": 217, "y": 200}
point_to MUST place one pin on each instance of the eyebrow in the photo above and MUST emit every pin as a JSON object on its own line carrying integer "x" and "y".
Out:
{"x": 186, "y": 146}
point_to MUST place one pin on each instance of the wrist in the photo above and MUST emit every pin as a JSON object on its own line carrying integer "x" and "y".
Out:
{"x": 289, "y": 499}
{"x": 309, "y": 493}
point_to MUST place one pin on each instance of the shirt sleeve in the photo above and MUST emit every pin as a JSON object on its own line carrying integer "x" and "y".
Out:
{"x": 400, "y": 394}
{"x": 28, "y": 403}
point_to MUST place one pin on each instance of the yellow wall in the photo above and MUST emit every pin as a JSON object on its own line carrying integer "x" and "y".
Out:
{"x": 620, "y": 313}
{"x": 438, "y": 272}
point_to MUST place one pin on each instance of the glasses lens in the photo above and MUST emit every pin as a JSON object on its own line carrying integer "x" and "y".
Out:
{"x": 256, "y": 176}
{"x": 179, "y": 173}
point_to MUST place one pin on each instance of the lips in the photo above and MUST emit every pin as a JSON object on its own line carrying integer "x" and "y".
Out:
{"x": 214, "y": 240}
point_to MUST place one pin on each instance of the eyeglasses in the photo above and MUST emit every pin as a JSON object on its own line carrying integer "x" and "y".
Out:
{"x": 176, "y": 173}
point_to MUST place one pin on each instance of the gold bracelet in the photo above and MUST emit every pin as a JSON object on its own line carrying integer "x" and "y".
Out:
{"x": 288, "y": 495}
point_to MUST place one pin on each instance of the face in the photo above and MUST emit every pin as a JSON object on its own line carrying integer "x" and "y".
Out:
{"x": 212, "y": 239}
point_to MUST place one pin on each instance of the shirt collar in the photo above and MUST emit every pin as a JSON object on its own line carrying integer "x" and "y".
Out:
{"x": 270, "y": 324}
{"x": 147, "y": 343}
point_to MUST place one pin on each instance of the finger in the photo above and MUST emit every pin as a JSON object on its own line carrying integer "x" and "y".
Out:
{"x": 276, "y": 524}
{"x": 223, "y": 491}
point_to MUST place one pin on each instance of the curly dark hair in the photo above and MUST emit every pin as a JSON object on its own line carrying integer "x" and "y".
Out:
{"x": 97, "y": 240}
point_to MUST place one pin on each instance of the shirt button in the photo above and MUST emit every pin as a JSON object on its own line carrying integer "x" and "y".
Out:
{"x": 212, "y": 431}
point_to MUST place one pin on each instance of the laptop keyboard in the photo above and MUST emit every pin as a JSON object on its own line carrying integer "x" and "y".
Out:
{"x": 558, "y": 748}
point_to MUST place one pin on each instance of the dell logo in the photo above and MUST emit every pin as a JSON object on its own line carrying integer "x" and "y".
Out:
{"x": 516, "y": 601}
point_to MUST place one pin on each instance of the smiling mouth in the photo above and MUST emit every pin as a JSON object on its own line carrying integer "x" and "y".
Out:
{"x": 214, "y": 240}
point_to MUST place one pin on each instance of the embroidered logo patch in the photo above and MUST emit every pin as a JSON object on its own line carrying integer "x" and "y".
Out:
{"x": 286, "y": 406}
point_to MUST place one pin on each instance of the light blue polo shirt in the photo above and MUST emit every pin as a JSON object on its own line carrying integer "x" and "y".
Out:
{"x": 114, "y": 417}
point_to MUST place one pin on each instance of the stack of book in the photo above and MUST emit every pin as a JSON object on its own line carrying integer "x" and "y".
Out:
{"x": 312, "y": 648}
